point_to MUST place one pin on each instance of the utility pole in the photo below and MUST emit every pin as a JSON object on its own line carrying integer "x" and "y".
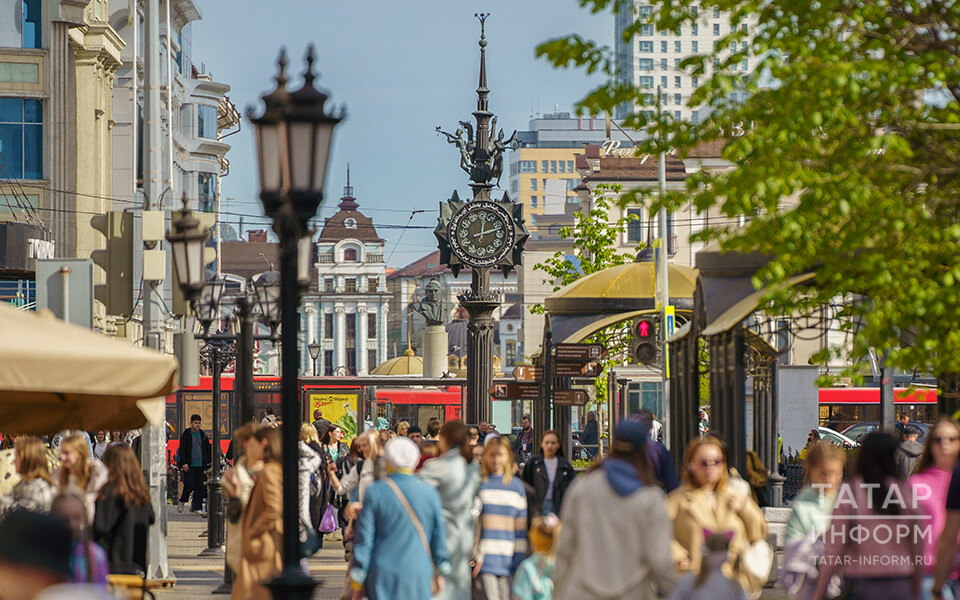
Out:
{"x": 154, "y": 438}
{"x": 663, "y": 276}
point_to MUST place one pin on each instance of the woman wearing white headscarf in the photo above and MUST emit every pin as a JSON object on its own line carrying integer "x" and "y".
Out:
{"x": 401, "y": 552}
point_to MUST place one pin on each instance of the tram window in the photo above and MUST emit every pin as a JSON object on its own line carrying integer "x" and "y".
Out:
{"x": 426, "y": 412}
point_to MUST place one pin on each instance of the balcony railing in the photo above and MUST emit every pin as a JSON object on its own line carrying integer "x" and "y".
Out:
{"x": 374, "y": 258}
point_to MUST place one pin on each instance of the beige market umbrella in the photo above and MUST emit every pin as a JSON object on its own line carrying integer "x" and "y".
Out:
{"x": 55, "y": 376}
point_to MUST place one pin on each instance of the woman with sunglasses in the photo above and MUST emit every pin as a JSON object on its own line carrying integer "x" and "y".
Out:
{"x": 706, "y": 502}
{"x": 930, "y": 483}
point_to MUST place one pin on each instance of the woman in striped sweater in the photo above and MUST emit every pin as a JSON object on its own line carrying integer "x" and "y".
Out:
{"x": 503, "y": 523}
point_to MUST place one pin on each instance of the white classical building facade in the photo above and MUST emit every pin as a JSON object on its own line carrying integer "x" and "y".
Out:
{"x": 347, "y": 312}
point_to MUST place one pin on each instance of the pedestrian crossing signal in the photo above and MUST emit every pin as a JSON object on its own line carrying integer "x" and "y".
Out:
{"x": 644, "y": 344}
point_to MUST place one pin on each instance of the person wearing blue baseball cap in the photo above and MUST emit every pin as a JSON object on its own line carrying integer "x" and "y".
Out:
{"x": 615, "y": 541}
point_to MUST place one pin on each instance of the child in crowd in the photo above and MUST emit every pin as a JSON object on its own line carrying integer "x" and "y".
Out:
{"x": 710, "y": 583}
{"x": 88, "y": 560}
{"x": 533, "y": 579}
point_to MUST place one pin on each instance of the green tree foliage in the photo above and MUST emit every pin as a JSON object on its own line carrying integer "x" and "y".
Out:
{"x": 847, "y": 153}
{"x": 594, "y": 240}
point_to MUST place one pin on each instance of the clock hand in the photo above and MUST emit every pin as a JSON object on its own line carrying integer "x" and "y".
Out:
{"x": 482, "y": 233}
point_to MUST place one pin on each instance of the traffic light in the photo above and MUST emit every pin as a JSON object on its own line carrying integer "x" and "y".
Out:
{"x": 116, "y": 260}
{"x": 644, "y": 343}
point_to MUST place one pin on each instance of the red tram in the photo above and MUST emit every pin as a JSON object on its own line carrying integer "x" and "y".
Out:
{"x": 340, "y": 404}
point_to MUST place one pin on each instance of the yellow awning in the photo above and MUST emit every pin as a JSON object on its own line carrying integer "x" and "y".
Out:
{"x": 57, "y": 376}
{"x": 621, "y": 289}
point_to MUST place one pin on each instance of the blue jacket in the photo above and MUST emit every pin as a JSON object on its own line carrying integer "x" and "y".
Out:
{"x": 391, "y": 561}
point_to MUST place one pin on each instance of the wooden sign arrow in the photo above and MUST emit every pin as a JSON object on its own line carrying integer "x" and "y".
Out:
{"x": 570, "y": 397}
{"x": 578, "y": 369}
{"x": 515, "y": 391}
{"x": 579, "y": 352}
{"x": 528, "y": 373}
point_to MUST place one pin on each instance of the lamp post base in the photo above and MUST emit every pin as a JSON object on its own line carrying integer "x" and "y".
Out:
{"x": 292, "y": 584}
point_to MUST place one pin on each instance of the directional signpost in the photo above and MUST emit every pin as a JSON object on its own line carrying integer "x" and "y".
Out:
{"x": 570, "y": 397}
{"x": 579, "y": 352}
{"x": 515, "y": 391}
{"x": 528, "y": 373}
{"x": 590, "y": 369}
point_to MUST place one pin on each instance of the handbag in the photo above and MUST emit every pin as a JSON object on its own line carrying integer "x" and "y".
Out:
{"x": 758, "y": 559}
{"x": 434, "y": 587}
{"x": 309, "y": 546}
{"x": 328, "y": 523}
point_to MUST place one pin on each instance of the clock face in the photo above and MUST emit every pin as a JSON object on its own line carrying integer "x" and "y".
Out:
{"x": 481, "y": 233}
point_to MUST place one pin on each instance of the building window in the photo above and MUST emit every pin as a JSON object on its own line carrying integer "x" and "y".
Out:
{"x": 696, "y": 82}
{"x": 350, "y": 255}
{"x": 328, "y": 328}
{"x": 206, "y": 121}
{"x": 328, "y": 362}
{"x": 745, "y": 46}
{"x": 733, "y": 46}
{"x": 21, "y": 138}
{"x": 716, "y": 29}
{"x": 511, "y": 354}
{"x": 663, "y": 64}
{"x": 562, "y": 168}
{"x": 572, "y": 183}
{"x": 677, "y": 99}
{"x": 676, "y": 81}
{"x": 351, "y": 322}
{"x": 644, "y": 11}
{"x": 646, "y": 30}
{"x": 372, "y": 325}
{"x": 695, "y": 46}
{"x": 533, "y": 183}
{"x": 543, "y": 184}
{"x": 783, "y": 340}
{"x": 676, "y": 63}
{"x": 350, "y": 284}
{"x": 696, "y": 29}
{"x": 533, "y": 201}
{"x": 695, "y": 116}
{"x": 569, "y": 166}
{"x": 745, "y": 65}
{"x": 206, "y": 192}
{"x": 646, "y": 46}
{"x": 371, "y": 359}
{"x": 635, "y": 226}
{"x": 676, "y": 115}
{"x": 663, "y": 46}
{"x": 31, "y": 24}
{"x": 350, "y": 223}
{"x": 528, "y": 166}
{"x": 677, "y": 47}
{"x": 328, "y": 284}
{"x": 351, "y": 363}
{"x": 515, "y": 185}
{"x": 372, "y": 285}
{"x": 645, "y": 64}
{"x": 544, "y": 166}
{"x": 716, "y": 12}
{"x": 663, "y": 81}
{"x": 696, "y": 10}
{"x": 553, "y": 168}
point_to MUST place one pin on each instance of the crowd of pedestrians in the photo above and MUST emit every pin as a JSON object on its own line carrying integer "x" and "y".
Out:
{"x": 451, "y": 514}
{"x": 78, "y": 511}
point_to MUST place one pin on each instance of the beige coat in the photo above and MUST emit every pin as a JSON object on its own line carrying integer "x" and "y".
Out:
{"x": 692, "y": 511}
{"x": 262, "y": 536}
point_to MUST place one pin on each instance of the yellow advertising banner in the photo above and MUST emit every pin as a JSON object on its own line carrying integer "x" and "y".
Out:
{"x": 340, "y": 408}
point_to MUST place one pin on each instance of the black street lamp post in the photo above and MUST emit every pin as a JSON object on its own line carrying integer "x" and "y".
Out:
{"x": 294, "y": 136}
{"x": 314, "y": 349}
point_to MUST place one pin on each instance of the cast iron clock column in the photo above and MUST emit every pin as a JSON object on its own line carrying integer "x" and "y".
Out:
{"x": 481, "y": 234}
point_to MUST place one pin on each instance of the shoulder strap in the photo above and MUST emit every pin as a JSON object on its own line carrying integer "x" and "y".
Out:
{"x": 412, "y": 515}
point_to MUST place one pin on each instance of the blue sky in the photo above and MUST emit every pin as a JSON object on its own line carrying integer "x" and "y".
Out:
{"x": 402, "y": 67}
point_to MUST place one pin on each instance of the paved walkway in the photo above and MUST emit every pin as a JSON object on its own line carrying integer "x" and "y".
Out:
{"x": 198, "y": 576}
